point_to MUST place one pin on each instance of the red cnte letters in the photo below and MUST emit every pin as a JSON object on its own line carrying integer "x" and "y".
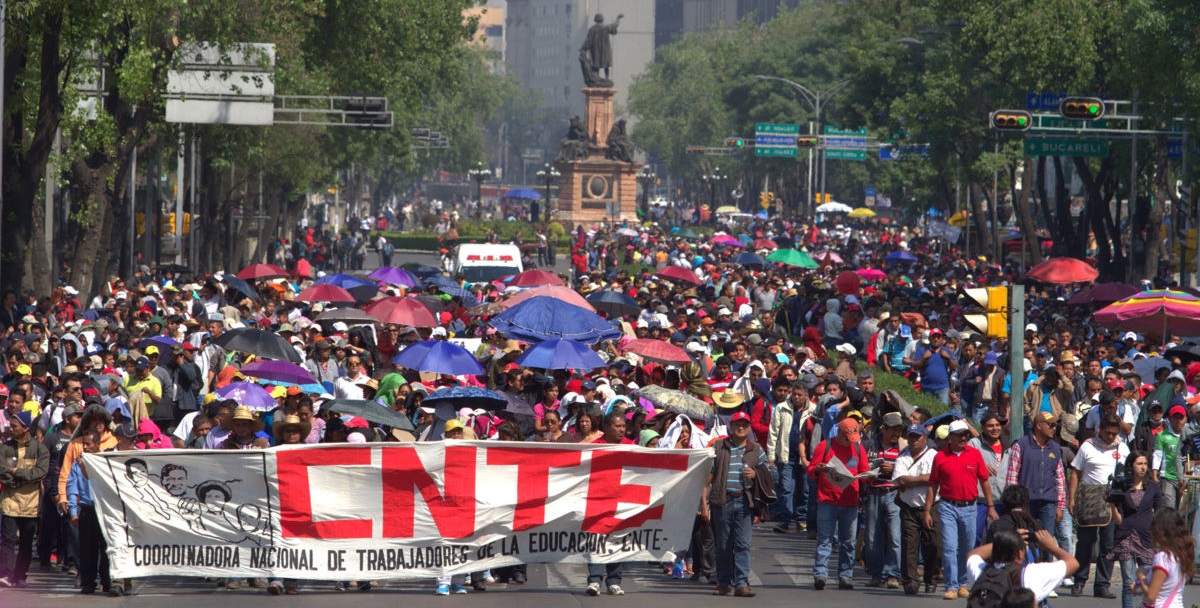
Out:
{"x": 533, "y": 479}
{"x": 453, "y": 512}
{"x": 605, "y": 489}
{"x": 295, "y": 499}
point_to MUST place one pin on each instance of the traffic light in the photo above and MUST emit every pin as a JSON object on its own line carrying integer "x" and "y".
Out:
{"x": 735, "y": 142}
{"x": 806, "y": 141}
{"x": 168, "y": 224}
{"x": 822, "y": 198}
{"x": 695, "y": 150}
{"x": 139, "y": 223}
{"x": 1010, "y": 120}
{"x": 367, "y": 112}
{"x": 1081, "y": 108}
{"x": 993, "y": 323}
{"x": 187, "y": 223}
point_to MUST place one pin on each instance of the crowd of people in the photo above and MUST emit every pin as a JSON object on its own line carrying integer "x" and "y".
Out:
{"x": 928, "y": 493}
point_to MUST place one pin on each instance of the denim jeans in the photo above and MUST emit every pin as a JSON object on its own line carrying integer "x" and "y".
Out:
{"x": 813, "y": 509}
{"x": 785, "y": 490}
{"x": 731, "y": 529}
{"x": 609, "y": 574}
{"x": 842, "y": 521}
{"x": 881, "y": 548}
{"x": 1129, "y": 568}
{"x": 942, "y": 394}
{"x": 958, "y": 537}
{"x": 804, "y": 487}
{"x": 1064, "y": 533}
{"x": 1044, "y": 511}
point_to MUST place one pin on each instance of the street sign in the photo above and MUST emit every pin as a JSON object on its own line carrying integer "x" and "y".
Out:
{"x": 773, "y": 140}
{"x": 896, "y": 152}
{"x": 853, "y": 143}
{"x": 1035, "y": 101}
{"x": 1066, "y": 147}
{"x": 836, "y": 131}
{"x": 1057, "y": 122}
{"x": 869, "y": 199}
{"x": 1175, "y": 149}
{"x": 842, "y": 154}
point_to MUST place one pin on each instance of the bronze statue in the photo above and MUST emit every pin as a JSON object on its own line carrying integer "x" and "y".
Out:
{"x": 575, "y": 145}
{"x": 596, "y": 54}
{"x": 620, "y": 147}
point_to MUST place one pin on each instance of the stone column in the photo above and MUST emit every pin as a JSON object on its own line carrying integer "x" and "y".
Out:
{"x": 599, "y": 118}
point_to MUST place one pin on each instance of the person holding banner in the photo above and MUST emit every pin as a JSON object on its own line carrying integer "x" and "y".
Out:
{"x": 93, "y": 550}
{"x": 610, "y": 574}
{"x": 729, "y": 505}
{"x": 288, "y": 430}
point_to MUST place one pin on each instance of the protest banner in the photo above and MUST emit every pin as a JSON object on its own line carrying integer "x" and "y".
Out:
{"x": 392, "y": 511}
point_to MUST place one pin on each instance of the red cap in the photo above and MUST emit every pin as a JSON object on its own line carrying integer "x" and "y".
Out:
{"x": 739, "y": 416}
{"x": 189, "y": 346}
{"x": 1177, "y": 409}
{"x": 937, "y": 331}
{"x": 3, "y": 390}
{"x": 1115, "y": 384}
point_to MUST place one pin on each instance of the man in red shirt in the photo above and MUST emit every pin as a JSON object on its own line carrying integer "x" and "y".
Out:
{"x": 958, "y": 471}
{"x": 837, "y": 504}
{"x": 610, "y": 574}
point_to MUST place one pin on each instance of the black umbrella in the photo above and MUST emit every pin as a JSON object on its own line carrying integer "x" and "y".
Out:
{"x": 259, "y": 343}
{"x": 435, "y": 304}
{"x": 614, "y": 303}
{"x": 241, "y": 286}
{"x": 175, "y": 268}
{"x": 371, "y": 412}
{"x": 1187, "y": 352}
{"x": 421, "y": 270}
{"x": 784, "y": 242}
{"x": 348, "y": 315}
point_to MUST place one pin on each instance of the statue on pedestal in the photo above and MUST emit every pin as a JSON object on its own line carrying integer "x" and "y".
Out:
{"x": 575, "y": 145}
{"x": 620, "y": 147}
{"x": 595, "y": 56}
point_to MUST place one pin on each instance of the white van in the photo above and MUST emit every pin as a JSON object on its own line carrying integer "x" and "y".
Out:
{"x": 479, "y": 263}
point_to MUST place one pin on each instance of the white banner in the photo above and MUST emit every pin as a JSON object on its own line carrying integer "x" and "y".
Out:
{"x": 392, "y": 511}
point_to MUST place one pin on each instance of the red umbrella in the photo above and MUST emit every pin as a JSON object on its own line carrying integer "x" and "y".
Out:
{"x": 402, "y": 311}
{"x": 656, "y": 350}
{"x": 557, "y": 292}
{"x": 536, "y": 278}
{"x": 325, "y": 293}
{"x": 847, "y": 282}
{"x": 1062, "y": 271}
{"x": 255, "y": 272}
{"x": 303, "y": 269}
{"x": 1103, "y": 293}
{"x": 764, "y": 244}
{"x": 678, "y": 273}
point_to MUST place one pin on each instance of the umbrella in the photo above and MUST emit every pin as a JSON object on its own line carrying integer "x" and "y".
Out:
{"x": 361, "y": 289}
{"x": 303, "y": 269}
{"x": 1103, "y": 293}
{"x": 486, "y": 309}
{"x": 656, "y": 350}
{"x": 241, "y": 286}
{"x": 861, "y": 213}
{"x": 687, "y": 233}
{"x": 614, "y": 304}
{"x": 792, "y": 257}
{"x": 1146, "y": 366}
{"x": 259, "y": 343}
{"x": 435, "y": 304}
{"x": 350, "y": 316}
{"x": 784, "y": 242}
{"x": 630, "y": 232}
{"x": 394, "y": 276}
{"x": 160, "y": 341}
{"x": 871, "y": 274}
{"x": 255, "y": 272}
{"x": 764, "y": 244}
{"x": 901, "y": 256}
{"x": 749, "y": 259}
{"x": 250, "y": 395}
{"x": 828, "y": 257}
{"x": 566, "y": 294}
{"x": 1154, "y": 311}
{"x": 438, "y": 357}
{"x": 441, "y": 281}
{"x": 467, "y": 396}
{"x": 1063, "y": 270}
{"x": 524, "y": 193}
{"x": 559, "y": 354}
{"x": 833, "y": 207}
{"x": 402, "y": 311}
{"x": 678, "y": 273}
{"x": 536, "y": 278}
{"x": 726, "y": 209}
{"x": 371, "y": 411}
{"x": 278, "y": 371}
{"x": 173, "y": 268}
{"x": 325, "y": 293}
{"x": 468, "y": 298}
{"x": 727, "y": 240}
{"x": 421, "y": 271}
{"x": 544, "y": 318}
{"x": 1186, "y": 352}
{"x": 675, "y": 401}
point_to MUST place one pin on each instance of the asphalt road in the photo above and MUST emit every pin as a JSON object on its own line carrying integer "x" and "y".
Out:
{"x": 781, "y": 575}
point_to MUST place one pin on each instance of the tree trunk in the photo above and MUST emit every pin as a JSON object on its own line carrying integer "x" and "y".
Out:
{"x": 980, "y": 217}
{"x": 93, "y": 185}
{"x": 1108, "y": 256}
{"x": 1155, "y": 239}
{"x": 1028, "y": 230}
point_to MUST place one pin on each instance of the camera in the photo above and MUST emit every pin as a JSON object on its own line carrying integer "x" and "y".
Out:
{"x": 1119, "y": 484}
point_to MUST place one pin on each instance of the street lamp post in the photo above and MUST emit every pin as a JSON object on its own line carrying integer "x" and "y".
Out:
{"x": 816, "y": 102}
{"x": 712, "y": 182}
{"x": 646, "y": 178}
{"x": 479, "y": 174}
{"x": 548, "y": 175}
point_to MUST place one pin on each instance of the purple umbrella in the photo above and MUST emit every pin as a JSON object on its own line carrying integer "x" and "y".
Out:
{"x": 250, "y": 395}
{"x": 279, "y": 371}
{"x": 162, "y": 342}
{"x": 394, "y": 276}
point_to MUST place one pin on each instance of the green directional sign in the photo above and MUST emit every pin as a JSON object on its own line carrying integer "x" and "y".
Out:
{"x": 1066, "y": 147}
{"x": 776, "y": 128}
{"x": 775, "y": 152}
{"x": 841, "y": 154}
{"x": 775, "y": 140}
{"x": 1054, "y": 122}
{"x": 836, "y": 131}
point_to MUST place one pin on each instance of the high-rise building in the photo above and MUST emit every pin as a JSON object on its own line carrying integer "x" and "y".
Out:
{"x": 675, "y": 18}
{"x": 490, "y": 32}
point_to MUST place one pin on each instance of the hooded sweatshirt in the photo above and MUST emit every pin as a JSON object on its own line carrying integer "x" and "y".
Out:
{"x": 74, "y": 450}
{"x": 832, "y": 328}
{"x": 157, "y": 440}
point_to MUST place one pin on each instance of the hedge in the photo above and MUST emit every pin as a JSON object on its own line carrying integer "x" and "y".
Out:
{"x": 885, "y": 381}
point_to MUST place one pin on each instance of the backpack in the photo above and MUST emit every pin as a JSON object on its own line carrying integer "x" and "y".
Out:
{"x": 989, "y": 589}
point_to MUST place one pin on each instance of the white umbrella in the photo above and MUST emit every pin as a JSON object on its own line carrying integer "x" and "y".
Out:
{"x": 834, "y": 207}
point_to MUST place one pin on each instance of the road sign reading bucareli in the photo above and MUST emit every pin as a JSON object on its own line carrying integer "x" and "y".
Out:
{"x": 1066, "y": 147}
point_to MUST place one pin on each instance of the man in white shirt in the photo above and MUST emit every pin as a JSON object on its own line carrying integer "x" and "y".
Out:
{"x": 1095, "y": 463}
{"x": 347, "y": 387}
{"x": 1007, "y": 550}
{"x": 911, "y": 475}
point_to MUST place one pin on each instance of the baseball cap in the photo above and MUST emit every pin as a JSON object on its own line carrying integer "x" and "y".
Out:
{"x": 738, "y": 417}
{"x": 1154, "y": 403}
{"x": 151, "y": 350}
{"x": 958, "y": 426}
{"x": 25, "y": 417}
{"x": 937, "y": 331}
{"x": 452, "y": 424}
{"x": 893, "y": 419}
{"x": 1177, "y": 409}
{"x": 1129, "y": 335}
{"x": 847, "y": 428}
{"x": 989, "y": 358}
{"x": 1047, "y": 417}
{"x": 1115, "y": 384}
{"x": 141, "y": 363}
{"x": 24, "y": 370}
{"x": 917, "y": 429}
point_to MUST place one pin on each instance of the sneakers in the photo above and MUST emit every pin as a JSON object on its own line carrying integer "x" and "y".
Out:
{"x": 723, "y": 590}
{"x": 21, "y": 584}
{"x": 964, "y": 593}
{"x": 780, "y": 529}
{"x": 365, "y": 586}
{"x": 819, "y": 583}
{"x": 458, "y": 590}
{"x": 950, "y": 594}
{"x": 593, "y": 589}
{"x": 233, "y": 585}
{"x": 4, "y": 582}
{"x": 274, "y": 589}
{"x": 892, "y": 583}
{"x": 911, "y": 590}
{"x": 116, "y": 590}
{"x": 615, "y": 590}
{"x": 442, "y": 590}
{"x": 479, "y": 585}
{"x": 845, "y": 583}
{"x": 876, "y": 581}
{"x": 339, "y": 586}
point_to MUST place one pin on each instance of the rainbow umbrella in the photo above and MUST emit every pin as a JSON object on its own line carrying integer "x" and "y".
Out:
{"x": 1154, "y": 312}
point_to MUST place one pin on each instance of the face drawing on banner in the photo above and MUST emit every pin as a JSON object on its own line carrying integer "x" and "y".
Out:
{"x": 137, "y": 472}
{"x": 213, "y": 514}
{"x": 174, "y": 480}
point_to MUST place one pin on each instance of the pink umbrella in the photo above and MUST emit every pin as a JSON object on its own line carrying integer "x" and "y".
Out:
{"x": 1154, "y": 311}
{"x": 557, "y": 292}
{"x": 536, "y": 278}
{"x": 871, "y": 274}
{"x": 1063, "y": 270}
{"x": 656, "y": 350}
{"x": 828, "y": 257}
{"x": 410, "y": 312}
{"x": 764, "y": 244}
{"x": 728, "y": 240}
{"x": 678, "y": 273}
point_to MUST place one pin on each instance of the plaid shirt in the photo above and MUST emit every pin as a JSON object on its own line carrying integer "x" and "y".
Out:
{"x": 1014, "y": 470}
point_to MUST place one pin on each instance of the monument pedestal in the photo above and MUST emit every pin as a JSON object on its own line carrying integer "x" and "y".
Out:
{"x": 596, "y": 189}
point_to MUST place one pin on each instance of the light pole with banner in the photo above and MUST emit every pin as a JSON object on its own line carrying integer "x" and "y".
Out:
{"x": 479, "y": 174}
{"x": 548, "y": 175}
{"x": 647, "y": 179}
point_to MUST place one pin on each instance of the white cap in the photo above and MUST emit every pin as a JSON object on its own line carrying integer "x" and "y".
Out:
{"x": 1027, "y": 365}
{"x": 695, "y": 347}
{"x": 958, "y": 426}
{"x": 438, "y": 332}
{"x": 427, "y": 409}
{"x": 1031, "y": 327}
{"x": 71, "y": 290}
{"x": 340, "y": 326}
{"x": 846, "y": 348}
{"x": 1129, "y": 335}
{"x": 723, "y": 311}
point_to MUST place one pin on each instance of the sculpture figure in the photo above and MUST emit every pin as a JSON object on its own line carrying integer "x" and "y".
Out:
{"x": 596, "y": 54}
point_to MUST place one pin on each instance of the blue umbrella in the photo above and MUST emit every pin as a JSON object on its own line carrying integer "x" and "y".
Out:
{"x": 750, "y": 259}
{"x": 160, "y": 341}
{"x": 467, "y": 396}
{"x": 439, "y": 357}
{"x": 1146, "y": 366}
{"x": 361, "y": 289}
{"x": 241, "y": 286}
{"x": 525, "y": 193}
{"x": 468, "y": 298}
{"x": 560, "y": 354}
{"x": 421, "y": 271}
{"x": 901, "y": 256}
{"x": 614, "y": 303}
{"x": 545, "y": 318}
{"x": 248, "y": 394}
{"x": 441, "y": 281}
{"x": 745, "y": 238}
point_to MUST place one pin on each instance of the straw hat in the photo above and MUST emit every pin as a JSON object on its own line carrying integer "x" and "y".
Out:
{"x": 727, "y": 399}
{"x": 243, "y": 413}
{"x": 290, "y": 421}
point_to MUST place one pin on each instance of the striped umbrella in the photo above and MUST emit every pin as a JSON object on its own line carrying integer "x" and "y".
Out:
{"x": 1154, "y": 311}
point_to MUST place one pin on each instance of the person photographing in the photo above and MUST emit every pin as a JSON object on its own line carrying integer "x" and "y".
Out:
{"x": 998, "y": 567}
